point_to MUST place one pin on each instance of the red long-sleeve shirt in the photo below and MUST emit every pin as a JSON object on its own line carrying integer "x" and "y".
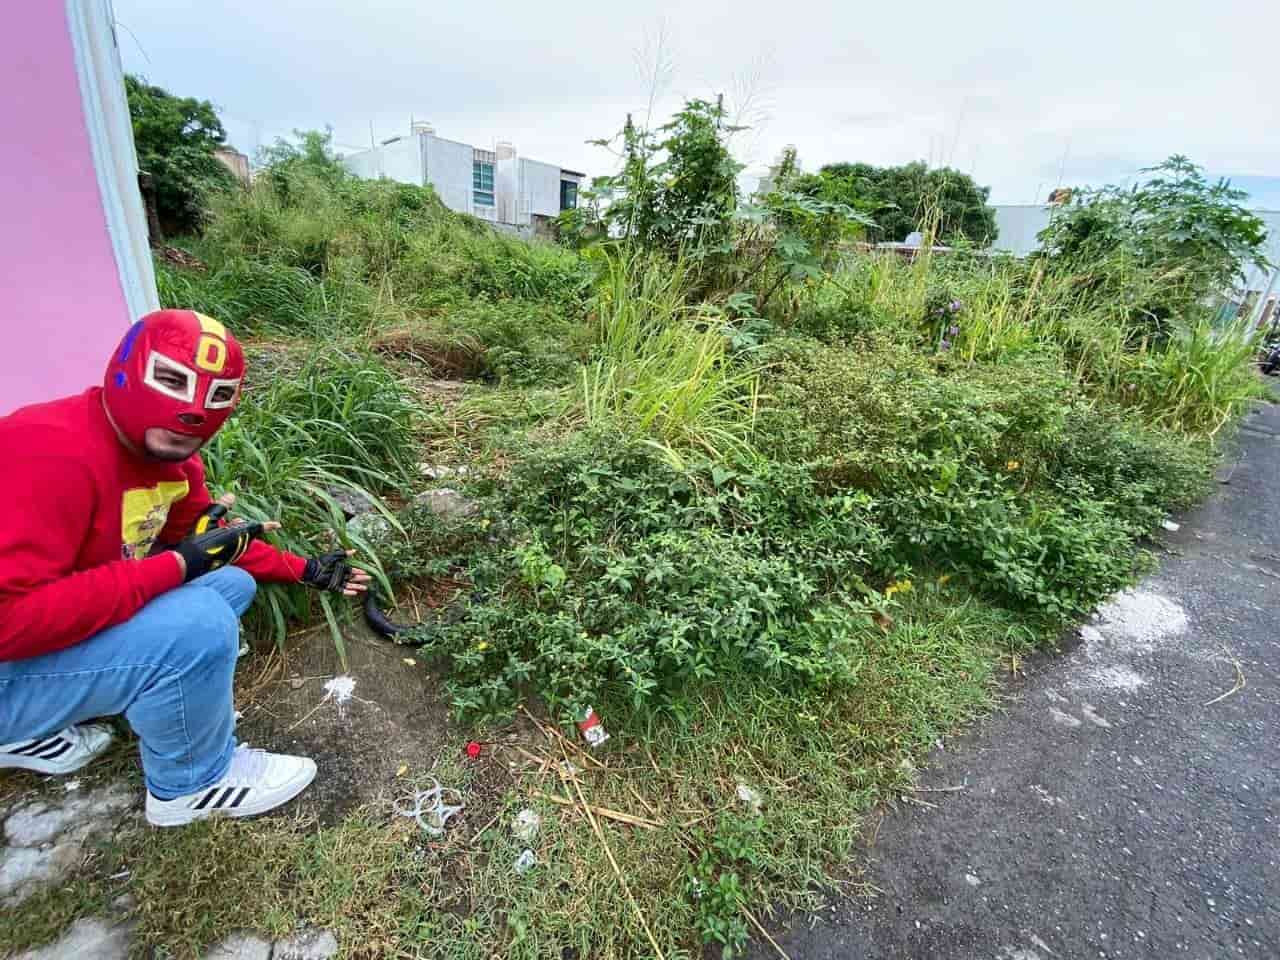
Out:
{"x": 79, "y": 514}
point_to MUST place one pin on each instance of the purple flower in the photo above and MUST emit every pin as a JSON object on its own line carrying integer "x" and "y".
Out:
{"x": 955, "y": 306}
{"x": 954, "y": 330}
{"x": 945, "y": 345}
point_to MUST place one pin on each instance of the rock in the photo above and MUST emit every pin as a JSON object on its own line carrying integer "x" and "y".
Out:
{"x": 22, "y": 868}
{"x": 309, "y": 945}
{"x": 36, "y": 824}
{"x": 106, "y": 804}
{"x": 47, "y": 841}
{"x": 351, "y": 502}
{"x": 446, "y": 502}
{"x": 370, "y": 526}
{"x": 39, "y": 822}
{"x": 439, "y": 472}
{"x": 240, "y": 946}
{"x": 86, "y": 938}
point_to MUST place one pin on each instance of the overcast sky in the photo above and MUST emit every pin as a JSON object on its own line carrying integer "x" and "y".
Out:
{"x": 1023, "y": 95}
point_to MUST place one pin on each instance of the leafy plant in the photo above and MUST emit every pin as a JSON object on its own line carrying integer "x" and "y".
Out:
{"x": 629, "y": 575}
{"x": 1160, "y": 247}
{"x": 714, "y": 881}
{"x": 678, "y": 185}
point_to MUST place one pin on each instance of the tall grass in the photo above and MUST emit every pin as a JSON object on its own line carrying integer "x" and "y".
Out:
{"x": 1194, "y": 380}
{"x": 662, "y": 368}
{"x": 1200, "y": 380}
{"x": 338, "y": 423}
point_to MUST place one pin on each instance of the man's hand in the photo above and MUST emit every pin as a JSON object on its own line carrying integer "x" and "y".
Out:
{"x": 214, "y": 518}
{"x": 216, "y": 548}
{"x": 334, "y": 573}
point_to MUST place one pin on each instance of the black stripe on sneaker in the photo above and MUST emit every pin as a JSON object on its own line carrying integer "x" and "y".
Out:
{"x": 54, "y": 751}
{"x": 34, "y": 746}
{"x": 204, "y": 801}
{"x": 244, "y": 792}
{"x": 221, "y": 801}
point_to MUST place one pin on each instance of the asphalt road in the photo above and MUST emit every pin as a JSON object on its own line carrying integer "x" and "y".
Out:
{"x": 1111, "y": 810}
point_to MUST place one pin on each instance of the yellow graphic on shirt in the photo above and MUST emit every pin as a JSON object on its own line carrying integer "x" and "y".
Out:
{"x": 143, "y": 512}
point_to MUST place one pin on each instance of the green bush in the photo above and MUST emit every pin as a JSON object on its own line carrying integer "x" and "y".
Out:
{"x": 525, "y": 343}
{"x": 630, "y": 575}
{"x": 1002, "y": 471}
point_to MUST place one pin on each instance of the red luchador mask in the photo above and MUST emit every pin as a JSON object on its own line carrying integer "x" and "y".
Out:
{"x": 176, "y": 369}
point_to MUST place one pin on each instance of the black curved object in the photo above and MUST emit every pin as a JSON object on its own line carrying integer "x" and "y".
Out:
{"x": 379, "y": 621}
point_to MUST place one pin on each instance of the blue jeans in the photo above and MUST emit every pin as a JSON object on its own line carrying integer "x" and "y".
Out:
{"x": 168, "y": 669}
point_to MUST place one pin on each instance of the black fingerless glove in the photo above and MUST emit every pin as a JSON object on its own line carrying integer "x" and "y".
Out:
{"x": 330, "y": 571}
{"x": 218, "y": 547}
{"x": 210, "y": 518}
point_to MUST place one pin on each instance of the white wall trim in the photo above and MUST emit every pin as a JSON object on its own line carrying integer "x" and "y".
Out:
{"x": 106, "y": 116}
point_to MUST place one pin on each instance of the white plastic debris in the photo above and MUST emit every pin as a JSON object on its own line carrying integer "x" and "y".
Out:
{"x": 525, "y": 862}
{"x": 750, "y": 797}
{"x": 1171, "y": 526}
{"x": 340, "y": 688}
{"x": 429, "y": 809}
{"x": 525, "y": 825}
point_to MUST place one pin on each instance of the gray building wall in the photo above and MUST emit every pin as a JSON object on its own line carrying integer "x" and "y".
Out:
{"x": 523, "y": 188}
{"x": 402, "y": 161}
{"x": 1017, "y": 226}
{"x": 541, "y": 189}
{"x": 506, "y": 181}
{"x": 367, "y": 164}
{"x": 449, "y": 171}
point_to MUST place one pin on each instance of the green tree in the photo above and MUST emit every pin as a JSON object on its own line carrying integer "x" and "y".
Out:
{"x": 175, "y": 138}
{"x": 901, "y": 199}
{"x": 310, "y": 151}
{"x": 1161, "y": 248}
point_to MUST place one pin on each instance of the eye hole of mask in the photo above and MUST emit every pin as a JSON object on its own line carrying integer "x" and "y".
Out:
{"x": 222, "y": 393}
{"x": 170, "y": 378}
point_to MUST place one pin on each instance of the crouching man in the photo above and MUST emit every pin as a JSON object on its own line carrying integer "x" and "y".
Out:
{"x": 121, "y": 589}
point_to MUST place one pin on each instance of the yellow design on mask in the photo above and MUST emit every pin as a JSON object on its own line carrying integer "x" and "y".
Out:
{"x": 143, "y": 512}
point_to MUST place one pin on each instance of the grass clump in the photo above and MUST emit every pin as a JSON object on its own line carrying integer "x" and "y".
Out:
{"x": 337, "y": 422}
{"x": 662, "y": 368}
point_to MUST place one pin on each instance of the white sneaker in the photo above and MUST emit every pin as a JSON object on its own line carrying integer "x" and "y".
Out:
{"x": 63, "y": 752}
{"x": 256, "y": 782}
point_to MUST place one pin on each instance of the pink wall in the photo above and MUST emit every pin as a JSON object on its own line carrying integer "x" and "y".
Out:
{"x": 62, "y": 308}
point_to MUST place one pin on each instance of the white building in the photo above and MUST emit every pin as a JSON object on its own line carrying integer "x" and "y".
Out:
{"x": 494, "y": 185}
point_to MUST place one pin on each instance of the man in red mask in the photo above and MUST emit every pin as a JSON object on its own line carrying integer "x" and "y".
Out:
{"x": 121, "y": 587}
